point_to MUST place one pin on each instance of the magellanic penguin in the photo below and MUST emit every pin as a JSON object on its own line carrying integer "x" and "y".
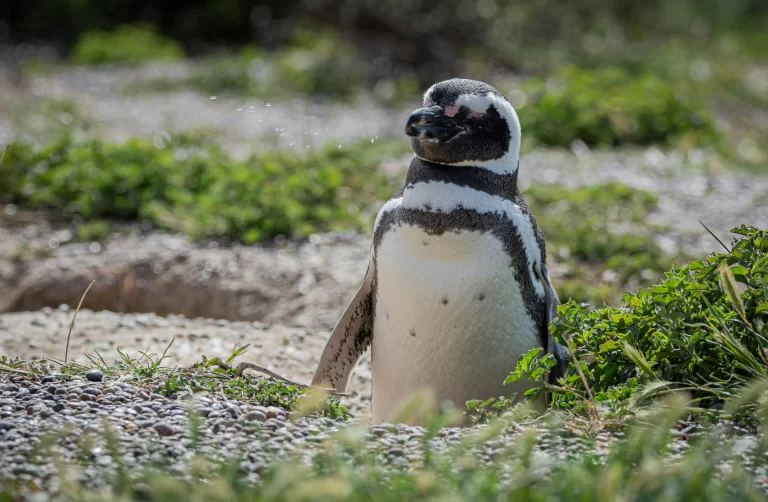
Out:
{"x": 457, "y": 286}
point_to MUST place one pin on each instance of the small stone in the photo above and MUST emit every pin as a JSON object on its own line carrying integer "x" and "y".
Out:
{"x": 58, "y": 407}
{"x": 48, "y": 379}
{"x": 397, "y": 452}
{"x": 164, "y": 429}
{"x": 131, "y": 389}
{"x": 94, "y": 376}
{"x": 87, "y": 397}
{"x": 11, "y": 388}
{"x": 388, "y": 427}
{"x": 92, "y": 391}
{"x": 255, "y": 416}
{"x": 232, "y": 411}
{"x": 6, "y": 425}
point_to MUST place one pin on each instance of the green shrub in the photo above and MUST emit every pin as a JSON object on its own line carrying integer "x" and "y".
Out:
{"x": 319, "y": 62}
{"x": 191, "y": 185}
{"x": 96, "y": 230}
{"x": 315, "y": 62}
{"x": 126, "y": 44}
{"x": 704, "y": 329}
{"x": 580, "y": 226}
{"x": 611, "y": 107}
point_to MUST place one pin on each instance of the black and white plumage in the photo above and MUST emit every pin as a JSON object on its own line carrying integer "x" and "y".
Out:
{"x": 457, "y": 286}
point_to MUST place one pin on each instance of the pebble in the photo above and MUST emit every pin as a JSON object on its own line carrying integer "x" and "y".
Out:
{"x": 255, "y": 416}
{"x": 94, "y": 376}
{"x": 11, "y": 388}
{"x": 262, "y": 434}
{"x": 164, "y": 429}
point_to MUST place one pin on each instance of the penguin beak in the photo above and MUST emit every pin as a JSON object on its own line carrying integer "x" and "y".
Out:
{"x": 431, "y": 123}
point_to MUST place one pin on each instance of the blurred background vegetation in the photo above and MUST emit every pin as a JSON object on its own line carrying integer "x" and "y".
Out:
{"x": 689, "y": 76}
{"x": 606, "y": 72}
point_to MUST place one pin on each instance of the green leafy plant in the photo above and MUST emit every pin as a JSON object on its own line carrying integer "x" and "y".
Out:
{"x": 126, "y": 44}
{"x": 191, "y": 185}
{"x": 702, "y": 330}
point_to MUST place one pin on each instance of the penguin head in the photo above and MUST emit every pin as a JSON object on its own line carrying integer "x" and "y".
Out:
{"x": 466, "y": 123}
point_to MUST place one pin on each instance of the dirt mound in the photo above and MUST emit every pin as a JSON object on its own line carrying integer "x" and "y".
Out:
{"x": 300, "y": 284}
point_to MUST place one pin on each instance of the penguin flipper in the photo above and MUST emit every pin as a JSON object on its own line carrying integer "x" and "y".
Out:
{"x": 349, "y": 340}
{"x": 558, "y": 351}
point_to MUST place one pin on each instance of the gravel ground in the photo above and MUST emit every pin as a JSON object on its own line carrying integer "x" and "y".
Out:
{"x": 152, "y": 429}
{"x": 116, "y": 115}
{"x": 53, "y": 421}
{"x": 290, "y": 351}
{"x": 282, "y": 298}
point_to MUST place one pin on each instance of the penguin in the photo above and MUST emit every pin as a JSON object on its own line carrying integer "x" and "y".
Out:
{"x": 457, "y": 287}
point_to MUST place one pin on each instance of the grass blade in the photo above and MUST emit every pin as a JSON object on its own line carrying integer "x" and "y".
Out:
{"x": 72, "y": 324}
{"x": 638, "y": 359}
{"x": 727, "y": 249}
{"x": 728, "y": 284}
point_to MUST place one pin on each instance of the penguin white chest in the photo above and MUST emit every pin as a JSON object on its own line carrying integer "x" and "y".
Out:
{"x": 449, "y": 318}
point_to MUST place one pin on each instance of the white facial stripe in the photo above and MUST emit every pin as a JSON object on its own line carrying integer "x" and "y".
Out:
{"x": 480, "y": 104}
{"x": 445, "y": 197}
{"x": 390, "y": 205}
{"x": 427, "y": 97}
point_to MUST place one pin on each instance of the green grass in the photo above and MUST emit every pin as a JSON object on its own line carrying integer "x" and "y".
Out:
{"x": 126, "y": 44}
{"x": 213, "y": 376}
{"x": 192, "y": 186}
